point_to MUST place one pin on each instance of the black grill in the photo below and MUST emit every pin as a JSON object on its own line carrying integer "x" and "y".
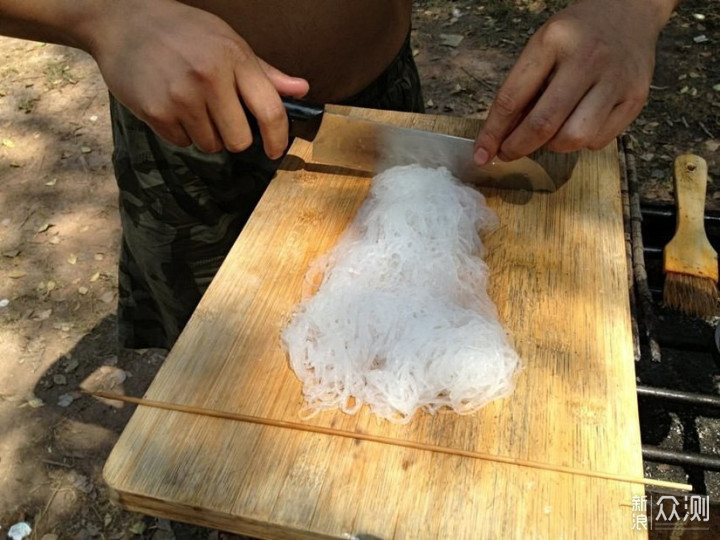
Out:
{"x": 677, "y": 357}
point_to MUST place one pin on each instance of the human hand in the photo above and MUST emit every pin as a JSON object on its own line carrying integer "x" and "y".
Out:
{"x": 185, "y": 72}
{"x": 582, "y": 78}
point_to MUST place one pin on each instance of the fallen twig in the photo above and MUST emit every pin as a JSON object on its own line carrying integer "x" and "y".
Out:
{"x": 706, "y": 130}
{"x": 486, "y": 84}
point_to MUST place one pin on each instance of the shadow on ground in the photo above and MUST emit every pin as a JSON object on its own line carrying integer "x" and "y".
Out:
{"x": 77, "y": 433}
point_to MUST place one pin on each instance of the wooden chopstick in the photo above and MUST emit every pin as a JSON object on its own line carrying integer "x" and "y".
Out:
{"x": 387, "y": 440}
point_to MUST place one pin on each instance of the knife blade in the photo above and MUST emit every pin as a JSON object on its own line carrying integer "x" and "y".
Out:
{"x": 367, "y": 145}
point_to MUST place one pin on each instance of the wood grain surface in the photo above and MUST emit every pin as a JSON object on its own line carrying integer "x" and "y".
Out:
{"x": 559, "y": 279}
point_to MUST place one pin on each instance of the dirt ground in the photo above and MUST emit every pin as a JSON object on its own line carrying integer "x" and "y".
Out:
{"x": 59, "y": 236}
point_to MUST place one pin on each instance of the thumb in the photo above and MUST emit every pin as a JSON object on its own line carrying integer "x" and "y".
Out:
{"x": 286, "y": 85}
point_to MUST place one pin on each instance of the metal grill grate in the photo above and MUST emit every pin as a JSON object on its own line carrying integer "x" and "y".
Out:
{"x": 677, "y": 358}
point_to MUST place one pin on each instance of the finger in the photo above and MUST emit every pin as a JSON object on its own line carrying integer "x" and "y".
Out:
{"x": 174, "y": 134}
{"x": 544, "y": 120}
{"x": 285, "y": 85}
{"x": 620, "y": 118}
{"x": 229, "y": 119}
{"x": 586, "y": 121}
{"x": 166, "y": 126}
{"x": 524, "y": 82}
{"x": 262, "y": 100}
{"x": 200, "y": 128}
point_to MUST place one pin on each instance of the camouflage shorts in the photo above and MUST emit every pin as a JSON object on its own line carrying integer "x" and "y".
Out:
{"x": 181, "y": 210}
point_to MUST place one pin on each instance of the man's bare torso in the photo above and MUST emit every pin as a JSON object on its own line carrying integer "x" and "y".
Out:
{"x": 339, "y": 46}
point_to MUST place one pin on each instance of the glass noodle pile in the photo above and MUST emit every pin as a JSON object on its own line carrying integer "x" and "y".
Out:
{"x": 402, "y": 320}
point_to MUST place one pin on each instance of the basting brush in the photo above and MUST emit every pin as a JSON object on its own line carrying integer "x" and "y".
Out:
{"x": 690, "y": 263}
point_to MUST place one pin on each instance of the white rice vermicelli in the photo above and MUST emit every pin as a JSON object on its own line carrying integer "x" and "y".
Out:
{"x": 402, "y": 320}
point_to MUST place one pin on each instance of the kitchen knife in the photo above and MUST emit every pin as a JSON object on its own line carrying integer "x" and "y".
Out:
{"x": 367, "y": 145}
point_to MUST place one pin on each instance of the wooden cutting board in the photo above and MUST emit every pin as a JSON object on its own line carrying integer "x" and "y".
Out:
{"x": 559, "y": 279}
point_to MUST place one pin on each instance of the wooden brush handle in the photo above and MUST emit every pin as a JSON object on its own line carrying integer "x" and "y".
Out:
{"x": 690, "y": 188}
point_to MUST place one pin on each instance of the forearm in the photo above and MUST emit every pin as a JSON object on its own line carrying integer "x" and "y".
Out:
{"x": 657, "y": 12}
{"x": 67, "y": 22}
{"x": 665, "y": 8}
{"x": 650, "y": 16}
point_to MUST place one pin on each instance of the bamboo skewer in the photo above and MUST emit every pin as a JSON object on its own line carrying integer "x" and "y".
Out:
{"x": 387, "y": 440}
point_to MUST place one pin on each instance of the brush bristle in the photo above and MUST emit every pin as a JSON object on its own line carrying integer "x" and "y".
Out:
{"x": 691, "y": 295}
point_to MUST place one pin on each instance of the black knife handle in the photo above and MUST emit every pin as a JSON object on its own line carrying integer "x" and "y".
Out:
{"x": 305, "y": 118}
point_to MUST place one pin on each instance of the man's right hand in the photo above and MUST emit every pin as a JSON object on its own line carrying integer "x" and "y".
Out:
{"x": 187, "y": 74}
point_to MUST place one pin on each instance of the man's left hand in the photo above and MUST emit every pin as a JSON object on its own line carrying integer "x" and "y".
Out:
{"x": 582, "y": 78}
